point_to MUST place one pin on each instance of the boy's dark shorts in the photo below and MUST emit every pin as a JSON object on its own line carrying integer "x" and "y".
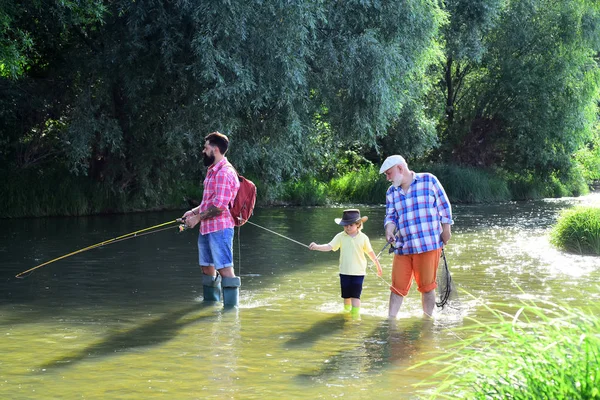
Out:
{"x": 351, "y": 285}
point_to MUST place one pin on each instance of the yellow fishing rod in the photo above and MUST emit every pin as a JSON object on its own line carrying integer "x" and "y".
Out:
{"x": 152, "y": 229}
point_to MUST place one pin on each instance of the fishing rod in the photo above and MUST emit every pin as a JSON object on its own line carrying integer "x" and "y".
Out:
{"x": 141, "y": 232}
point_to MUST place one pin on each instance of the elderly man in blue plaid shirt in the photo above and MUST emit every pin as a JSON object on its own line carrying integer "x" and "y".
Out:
{"x": 417, "y": 222}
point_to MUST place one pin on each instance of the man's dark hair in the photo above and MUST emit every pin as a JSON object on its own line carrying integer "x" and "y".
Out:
{"x": 219, "y": 140}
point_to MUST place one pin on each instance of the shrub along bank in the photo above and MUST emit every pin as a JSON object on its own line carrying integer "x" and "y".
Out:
{"x": 578, "y": 231}
{"x": 56, "y": 192}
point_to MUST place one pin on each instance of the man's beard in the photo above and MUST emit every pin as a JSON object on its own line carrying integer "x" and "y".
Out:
{"x": 208, "y": 160}
{"x": 398, "y": 182}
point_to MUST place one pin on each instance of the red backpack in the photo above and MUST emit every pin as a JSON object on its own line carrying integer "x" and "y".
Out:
{"x": 243, "y": 205}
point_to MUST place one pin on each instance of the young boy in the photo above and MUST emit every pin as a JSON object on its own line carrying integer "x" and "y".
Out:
{"x": 353, "y": 264}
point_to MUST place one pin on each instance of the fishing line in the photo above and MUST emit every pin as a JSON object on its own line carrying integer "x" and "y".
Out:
{"x": 445, "y": 295}
{"x": 302, "y": 244}
{"x": 131, "y": 235}
{"x": 371, "y": 266}
{"x": 278, "y": 234}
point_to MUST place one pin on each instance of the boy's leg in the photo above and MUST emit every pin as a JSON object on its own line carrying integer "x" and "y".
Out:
{"x": 347, "y": 305}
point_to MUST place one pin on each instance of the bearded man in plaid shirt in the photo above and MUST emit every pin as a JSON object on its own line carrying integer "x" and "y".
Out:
{"x": 215, "y": 241}
{"x": 418, "y": 221}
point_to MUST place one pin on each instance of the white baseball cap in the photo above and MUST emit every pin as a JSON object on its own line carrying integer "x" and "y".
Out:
{"x": 390, "y": 162}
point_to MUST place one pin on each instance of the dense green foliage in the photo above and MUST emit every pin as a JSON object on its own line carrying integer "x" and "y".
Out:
{"x": 530, "y": 353}
{"x": 118, "y": 95}
{"x": 578, "y": 231}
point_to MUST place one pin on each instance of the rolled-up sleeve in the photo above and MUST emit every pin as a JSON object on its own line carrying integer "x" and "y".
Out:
{"x": 443, "y": 204}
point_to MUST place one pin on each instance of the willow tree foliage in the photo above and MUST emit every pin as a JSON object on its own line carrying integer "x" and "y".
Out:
{"x": 533, "y": 101}
{"x": 130, "y": 100}
{"x": 29, "y": 28}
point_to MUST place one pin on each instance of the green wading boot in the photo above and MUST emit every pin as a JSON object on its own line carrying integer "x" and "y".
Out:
{"x": 211, "y": 286}
{"x": 231, "y": 291}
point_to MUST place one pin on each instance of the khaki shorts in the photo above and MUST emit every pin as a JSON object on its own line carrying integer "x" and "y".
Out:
{"x": 423, "y": 267}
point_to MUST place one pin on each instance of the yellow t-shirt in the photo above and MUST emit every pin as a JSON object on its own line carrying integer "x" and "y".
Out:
{"x": 352, "y": 253}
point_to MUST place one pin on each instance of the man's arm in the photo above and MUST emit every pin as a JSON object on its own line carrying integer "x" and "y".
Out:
{"x": 391, "y": 216}
{"x": 210, "y": 212}
{"x": 446, "y": 233}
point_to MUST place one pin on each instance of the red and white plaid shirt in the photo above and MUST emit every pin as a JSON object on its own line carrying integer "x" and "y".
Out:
{"x": 220, "y": 188}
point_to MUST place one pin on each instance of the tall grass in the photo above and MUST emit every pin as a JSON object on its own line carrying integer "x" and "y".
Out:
{"x": 578, "y": 231}
{"x": 529, "y": 353}
{"x": 468, "y": 184}
{"x": 54, "y": 193}
{"x": 306, "y": 192}
{"x": 365, "y": 186}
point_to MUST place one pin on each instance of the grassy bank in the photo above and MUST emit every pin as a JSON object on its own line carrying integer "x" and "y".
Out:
{"x": 47, "y": 193}
{"x": 578, "y": 231}
{"x": 462, "y": 185}
{"x": 57, "y": 193}
{"x": 529, "y": 353}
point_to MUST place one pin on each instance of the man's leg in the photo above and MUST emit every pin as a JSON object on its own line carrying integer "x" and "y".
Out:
{"x": 395, "y": 303}
{"x": 425, "y": 267}
{"x": 401, "y": 281}
{"x": 222, "y": 249}
{"x": 428, "y": 300}
{"x": 211, "y": 282}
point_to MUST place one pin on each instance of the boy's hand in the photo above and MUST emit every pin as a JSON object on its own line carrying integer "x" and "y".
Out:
{"x": 379, "y": 271}
{"x": 312, "y": 246}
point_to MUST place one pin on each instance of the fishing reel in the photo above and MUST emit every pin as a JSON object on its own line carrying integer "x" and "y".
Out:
{"x": 182, "y": 226}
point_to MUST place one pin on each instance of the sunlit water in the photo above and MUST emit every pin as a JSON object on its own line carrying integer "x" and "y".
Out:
{"x": 127, "y": 320}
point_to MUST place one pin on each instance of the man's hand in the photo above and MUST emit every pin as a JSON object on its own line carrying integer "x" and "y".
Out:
{"x": 389, "y": 232}
{"x": 187, "y": 214}
{"x": 446, "y": 233}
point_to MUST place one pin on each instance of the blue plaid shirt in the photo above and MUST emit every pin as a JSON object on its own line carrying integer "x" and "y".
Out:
{"x": 418, "y": 214}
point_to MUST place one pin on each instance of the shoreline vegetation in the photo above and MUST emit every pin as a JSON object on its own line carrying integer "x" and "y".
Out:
{"x": 57, "y": 193}
{"x": 530, "y": 351}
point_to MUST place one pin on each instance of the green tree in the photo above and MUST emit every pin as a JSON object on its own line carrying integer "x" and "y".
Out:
{"x": 31, "y": 30}
{"x": 129, "y": 101}
{"x": 533, "y": 103}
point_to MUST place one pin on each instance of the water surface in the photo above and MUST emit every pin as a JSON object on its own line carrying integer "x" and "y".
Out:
{"x": 127, "y": 320}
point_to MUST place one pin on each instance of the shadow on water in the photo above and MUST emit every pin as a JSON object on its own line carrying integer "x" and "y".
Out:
{"x": 151, "y": 333}
{"x": 390, "y": 344}
{"x": 324, "y": 327}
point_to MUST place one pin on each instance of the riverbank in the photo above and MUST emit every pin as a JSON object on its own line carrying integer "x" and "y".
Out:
{"x": 57, "y": 193}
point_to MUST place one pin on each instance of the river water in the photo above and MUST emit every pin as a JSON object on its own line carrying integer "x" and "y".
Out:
{"x": 127, "y": 320}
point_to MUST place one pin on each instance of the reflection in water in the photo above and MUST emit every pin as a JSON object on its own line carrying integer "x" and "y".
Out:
{"x": 390, "y": 344}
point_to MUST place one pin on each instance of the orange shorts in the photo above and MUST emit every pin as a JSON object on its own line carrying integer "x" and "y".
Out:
{"x": 422, "y": 266}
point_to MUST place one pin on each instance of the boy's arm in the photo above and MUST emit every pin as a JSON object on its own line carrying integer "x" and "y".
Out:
{"x": 320, "y": 247}
{"x": 375, "y": 260}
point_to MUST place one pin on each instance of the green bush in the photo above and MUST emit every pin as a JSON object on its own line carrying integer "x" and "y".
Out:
{"x": 529, "y": 353}
{"x": 578, "y": 231}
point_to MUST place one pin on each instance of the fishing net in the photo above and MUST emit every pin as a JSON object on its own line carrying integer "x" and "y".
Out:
{"x": 445, "y": 285}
